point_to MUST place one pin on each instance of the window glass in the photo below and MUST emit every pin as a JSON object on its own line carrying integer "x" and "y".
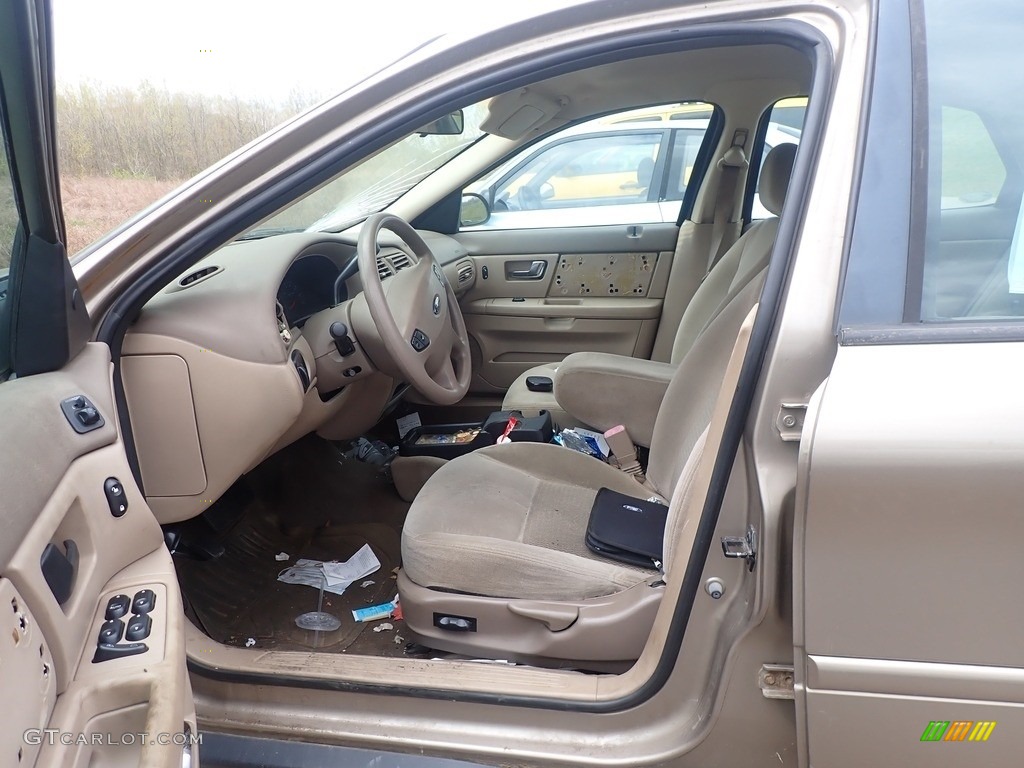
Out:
{"x": 148, "y": 94}
{"x": 969, "y": 265}
{"x": 685, "y": 147}
{"x": 8, "y": 217}
{"x": 627, "y": 168}
{"x": 972, "y": 171}
{"x": 938, "y": 232}
{"x": 9, "y": 220}
{"x": 605, "y": 170}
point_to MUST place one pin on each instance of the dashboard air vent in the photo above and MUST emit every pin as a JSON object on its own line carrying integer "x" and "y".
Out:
{"x": 400, "y": 261}
{"x": 383, "y": 268}
{"x": 199, "y": 274}
{"x": 465, "y": 272}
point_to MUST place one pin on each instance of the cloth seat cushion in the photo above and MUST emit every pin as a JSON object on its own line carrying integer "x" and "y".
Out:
{"x": 509, "y": 521}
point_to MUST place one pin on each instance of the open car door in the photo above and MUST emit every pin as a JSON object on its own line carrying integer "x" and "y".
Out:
{"x": 92, "y": 660}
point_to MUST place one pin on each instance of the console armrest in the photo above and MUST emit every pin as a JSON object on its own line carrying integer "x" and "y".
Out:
{"x": 604, "y": 390}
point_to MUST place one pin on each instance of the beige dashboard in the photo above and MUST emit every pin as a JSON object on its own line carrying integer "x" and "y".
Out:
{"x": 241, "y": 355}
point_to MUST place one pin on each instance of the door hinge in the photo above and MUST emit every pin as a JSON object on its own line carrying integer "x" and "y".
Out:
{"x": 776, "y": 681}
{"x": 790, "y": 421}
{"x": 742, "y": 546}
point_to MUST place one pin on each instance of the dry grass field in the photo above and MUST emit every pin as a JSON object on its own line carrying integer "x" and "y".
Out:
{"x": 93, "y": 205}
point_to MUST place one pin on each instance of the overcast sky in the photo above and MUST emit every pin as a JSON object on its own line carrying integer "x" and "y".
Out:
{"x": 250, "y": 49}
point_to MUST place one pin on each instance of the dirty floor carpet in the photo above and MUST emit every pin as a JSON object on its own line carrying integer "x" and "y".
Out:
{"x": 307, "y": 501}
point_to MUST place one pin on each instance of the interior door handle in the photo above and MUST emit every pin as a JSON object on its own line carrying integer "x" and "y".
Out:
{"x": 517, "y": 270}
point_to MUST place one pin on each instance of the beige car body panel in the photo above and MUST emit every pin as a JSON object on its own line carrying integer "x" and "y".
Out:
{"x": 892, "y": 631}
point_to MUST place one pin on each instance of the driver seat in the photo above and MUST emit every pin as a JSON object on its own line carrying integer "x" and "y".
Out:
{"x": 494, "y": 559}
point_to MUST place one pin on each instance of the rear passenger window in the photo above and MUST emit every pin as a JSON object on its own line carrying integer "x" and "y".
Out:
{"x": 972, "y": 171}
{"x": 969, "y": 265}
{"x": 938, "y": 228}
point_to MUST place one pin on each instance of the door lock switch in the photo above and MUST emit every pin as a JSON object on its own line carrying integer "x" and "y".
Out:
{"x": 113, "y": 489}
{"x": 138, "y": 628}
{"x": 144, "y": 601}
{"x": 110, "y": 632}
{"x": 117, "y": 606}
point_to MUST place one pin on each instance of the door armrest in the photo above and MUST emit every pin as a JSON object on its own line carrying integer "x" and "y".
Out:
{"x": 604, "y": 390}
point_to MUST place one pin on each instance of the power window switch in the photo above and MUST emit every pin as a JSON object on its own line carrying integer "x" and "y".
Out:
{"x": 117, "y": 606}
{"x": 110, "y": 632}
{"x": 139, "y": 628}
{"x": 144, "y": 601}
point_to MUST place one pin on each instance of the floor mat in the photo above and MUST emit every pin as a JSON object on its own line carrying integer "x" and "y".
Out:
{"x": 308, "y": 501}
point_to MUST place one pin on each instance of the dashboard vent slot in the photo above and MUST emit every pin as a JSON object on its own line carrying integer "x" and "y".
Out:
{"x": 400, "y": 261}
{"x": 199, "y": 274}
{"x": 383, "y": 268}
{"x": 465, "y": 272}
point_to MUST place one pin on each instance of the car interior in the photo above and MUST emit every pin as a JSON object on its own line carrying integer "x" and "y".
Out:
{"x": 319, "y": 333}
{"x": 258, "y": 398}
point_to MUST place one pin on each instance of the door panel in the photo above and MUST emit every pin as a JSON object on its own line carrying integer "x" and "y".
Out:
{"x": 54, "y": 483}
{"x": 542, "y": 294}
{"x": 907, "y": 566}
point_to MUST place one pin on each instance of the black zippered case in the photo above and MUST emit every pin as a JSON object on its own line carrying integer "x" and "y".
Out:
{"x": 627, "y": 529}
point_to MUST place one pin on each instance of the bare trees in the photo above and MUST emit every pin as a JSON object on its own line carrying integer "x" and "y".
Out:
{"x": 148, "y": 132}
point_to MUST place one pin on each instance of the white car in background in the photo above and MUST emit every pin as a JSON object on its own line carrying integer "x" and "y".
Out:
{"x": 630, "y": 168}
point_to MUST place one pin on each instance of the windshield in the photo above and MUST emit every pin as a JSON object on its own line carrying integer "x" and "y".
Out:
{"x": 375, "y": 183}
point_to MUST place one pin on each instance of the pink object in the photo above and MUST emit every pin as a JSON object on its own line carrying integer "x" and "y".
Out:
{"x": 508, "y": 428}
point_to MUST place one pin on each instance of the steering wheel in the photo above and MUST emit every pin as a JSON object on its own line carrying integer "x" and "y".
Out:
{"x": 529, "y": 198}
{"x": 416, "y": 314}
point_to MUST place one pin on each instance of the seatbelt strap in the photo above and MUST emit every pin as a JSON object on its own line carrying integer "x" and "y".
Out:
{"x": 724, "y": 231}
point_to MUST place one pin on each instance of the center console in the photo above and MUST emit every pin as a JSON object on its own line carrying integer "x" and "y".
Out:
{"x": 449, "y": 441}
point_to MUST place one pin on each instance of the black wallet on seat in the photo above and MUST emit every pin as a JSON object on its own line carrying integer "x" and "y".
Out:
{"x": 627, "y": 529}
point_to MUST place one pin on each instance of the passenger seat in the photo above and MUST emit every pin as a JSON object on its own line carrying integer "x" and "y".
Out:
{"x": 601, "y": 390}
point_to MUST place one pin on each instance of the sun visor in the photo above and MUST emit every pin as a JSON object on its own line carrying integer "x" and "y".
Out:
{"x": 514, "y": 115}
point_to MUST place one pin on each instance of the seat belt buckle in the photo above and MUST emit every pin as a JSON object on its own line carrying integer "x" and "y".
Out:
{"x": 623, "y": 451}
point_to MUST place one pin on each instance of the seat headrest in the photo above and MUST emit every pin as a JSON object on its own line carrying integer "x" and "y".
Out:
{"x": 775, "y": 173}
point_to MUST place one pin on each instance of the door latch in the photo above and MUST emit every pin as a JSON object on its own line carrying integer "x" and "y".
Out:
{"x": 776, "y": 681}
{"x": 742, "y": 546}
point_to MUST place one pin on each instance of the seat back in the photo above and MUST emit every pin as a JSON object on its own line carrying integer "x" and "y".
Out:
{"x": 743, "y": 260}
{"x": 686, "y": 409}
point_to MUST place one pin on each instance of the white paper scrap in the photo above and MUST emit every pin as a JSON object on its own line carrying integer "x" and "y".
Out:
{"x": 335, "y": 577}
{"x": 407, "y": 423}
{"x": 281, "y": 557}
{"x": 360, "y": 565}
{"x": 250, "y": 642}
{"x": 367, "y": 583}
{"x": 386, "y": 626}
